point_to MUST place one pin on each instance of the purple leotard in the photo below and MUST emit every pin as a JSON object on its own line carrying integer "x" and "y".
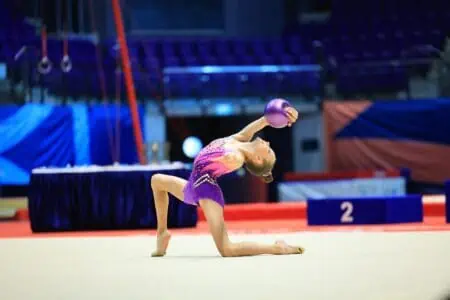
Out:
{"x": 202, "y": 183}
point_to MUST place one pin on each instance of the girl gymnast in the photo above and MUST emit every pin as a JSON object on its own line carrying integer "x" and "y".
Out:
{"x": 221, "y": 156}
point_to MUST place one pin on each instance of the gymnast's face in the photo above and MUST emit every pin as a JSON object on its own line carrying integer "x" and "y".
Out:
{"x": 263, "y": 152}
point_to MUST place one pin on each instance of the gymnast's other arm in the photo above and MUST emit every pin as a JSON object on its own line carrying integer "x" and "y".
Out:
{"x": 247, "y": 133}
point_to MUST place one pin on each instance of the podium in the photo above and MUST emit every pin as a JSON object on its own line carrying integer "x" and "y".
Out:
{"x": 367, "y": 210}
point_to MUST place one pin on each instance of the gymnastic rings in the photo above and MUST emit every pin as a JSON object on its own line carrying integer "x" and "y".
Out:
{"x": 44, "y": 65}
{"x": 66, "y": 64}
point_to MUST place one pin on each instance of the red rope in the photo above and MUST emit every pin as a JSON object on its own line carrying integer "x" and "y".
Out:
{"x": 129, "y": 84}
{"x": 66, "y": 40}
{"x": 65, "y": 46}
{"x": 44, "y": 41}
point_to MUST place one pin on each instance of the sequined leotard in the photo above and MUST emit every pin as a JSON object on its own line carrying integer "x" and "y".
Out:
{"x": 202, "y": 182}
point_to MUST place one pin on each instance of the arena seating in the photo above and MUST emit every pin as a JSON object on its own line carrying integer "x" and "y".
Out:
{"x": 373, "y": 44}
{"x": 244, "y": 67}
{"x": 233, "y": 59}
{"x": 372, "y": 41}
{"x": 13, "y": 32}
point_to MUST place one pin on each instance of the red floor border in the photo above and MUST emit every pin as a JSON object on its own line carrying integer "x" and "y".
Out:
{"x": 285, "y": 211}
{"x": 21, "y": 229}
{"x": 271, "y": 211}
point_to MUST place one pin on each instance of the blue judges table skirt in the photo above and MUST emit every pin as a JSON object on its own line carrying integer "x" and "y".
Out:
{"x": 100, "y": 198}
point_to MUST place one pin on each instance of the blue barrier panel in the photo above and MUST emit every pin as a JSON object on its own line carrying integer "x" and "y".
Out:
{"x": 368, "y": 210}
{"x": 447, "y": 201}
{"x": 407, "y": 209}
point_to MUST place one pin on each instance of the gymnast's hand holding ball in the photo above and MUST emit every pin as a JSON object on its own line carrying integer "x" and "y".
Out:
{"x": 279, "y": 113}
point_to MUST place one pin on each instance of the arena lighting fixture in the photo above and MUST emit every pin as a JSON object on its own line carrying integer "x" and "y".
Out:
{"x": 224, "y": 109}
{"x": 192, "y": 146}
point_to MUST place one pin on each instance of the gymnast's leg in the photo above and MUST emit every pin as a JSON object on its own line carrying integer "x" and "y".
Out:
{"x": 214, "y": 215}
{"x": 162, "y": 185}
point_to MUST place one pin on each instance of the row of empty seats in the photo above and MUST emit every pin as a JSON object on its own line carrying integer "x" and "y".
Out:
{"x": 380, "y": 32}
{"x": 80, "y": 84}
{"x": 151, "y": 59}
{"x": 359, "y": 43}
{"x": 380, "y": 8}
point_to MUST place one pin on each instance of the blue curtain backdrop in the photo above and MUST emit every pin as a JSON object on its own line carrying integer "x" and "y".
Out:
{"x": 106, "y": 142}
{"x": 40, "y": 135}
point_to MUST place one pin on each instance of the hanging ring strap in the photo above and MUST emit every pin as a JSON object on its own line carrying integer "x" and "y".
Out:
{"x": 44, "y": 65}
{"x": 66, "y": 62}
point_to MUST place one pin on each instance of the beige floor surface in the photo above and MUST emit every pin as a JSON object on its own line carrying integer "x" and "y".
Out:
{"x": 336, "y": 265}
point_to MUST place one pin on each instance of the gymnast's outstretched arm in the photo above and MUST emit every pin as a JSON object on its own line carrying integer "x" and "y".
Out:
{"x": 247, "y": 133}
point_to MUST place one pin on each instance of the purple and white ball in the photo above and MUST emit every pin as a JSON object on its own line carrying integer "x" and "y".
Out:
{"x": 275, "y": 113}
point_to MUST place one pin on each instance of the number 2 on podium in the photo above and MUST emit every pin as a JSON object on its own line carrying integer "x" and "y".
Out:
{"x": 347, "y": 208}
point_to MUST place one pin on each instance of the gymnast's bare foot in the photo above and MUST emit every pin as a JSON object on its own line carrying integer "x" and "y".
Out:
{"x": 162, "y": 241}
{"x": 287, "y": 249}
